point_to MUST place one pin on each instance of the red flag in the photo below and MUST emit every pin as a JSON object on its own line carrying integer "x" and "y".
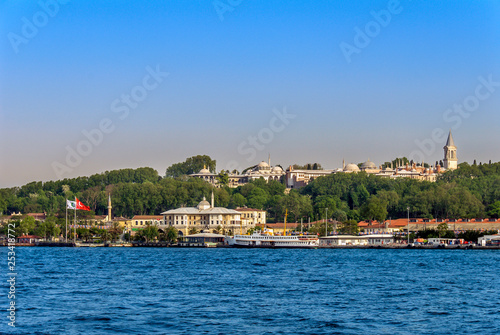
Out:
{"x": 80, "y": 205}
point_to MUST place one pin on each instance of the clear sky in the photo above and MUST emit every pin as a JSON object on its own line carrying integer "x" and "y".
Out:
{"x": 154, "y": 82}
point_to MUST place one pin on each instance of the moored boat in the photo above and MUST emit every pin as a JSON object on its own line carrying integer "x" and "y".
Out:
{"x": 268, "y": 240}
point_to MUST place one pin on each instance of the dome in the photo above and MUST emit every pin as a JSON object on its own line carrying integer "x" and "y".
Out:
{"x": 277, "y": 169}
{"x": 368, "y": 165}
{"x": 204, "y": 204}
{"x": 351, "y": 168}
{"x": 204, "y": 170}
{"x": 263, "y": 164}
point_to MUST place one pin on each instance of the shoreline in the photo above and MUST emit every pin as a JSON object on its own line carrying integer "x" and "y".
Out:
{"x": 165, "y": 245}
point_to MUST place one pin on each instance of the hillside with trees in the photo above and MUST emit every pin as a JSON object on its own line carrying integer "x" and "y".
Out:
{"x": 472, "y": 191}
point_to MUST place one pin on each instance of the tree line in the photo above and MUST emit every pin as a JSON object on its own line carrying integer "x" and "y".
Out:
{"x": 472, "y": 191}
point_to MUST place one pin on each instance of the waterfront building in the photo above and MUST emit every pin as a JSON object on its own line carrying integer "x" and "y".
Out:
{"x": 143, "y": 220}
{"x": 345, "y": 240}
{"x": 202, "y": 240}
{"x": 417, "y": 224}
{"x": 489, "y": 240}
{"x": 252, "y": 216}
{"x": 336, "y": 240}
{"x": 205, "y": 217}
{"x": 28, "y": 239}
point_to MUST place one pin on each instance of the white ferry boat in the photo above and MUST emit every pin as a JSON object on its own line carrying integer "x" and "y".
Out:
{"x": 268, "y": 240}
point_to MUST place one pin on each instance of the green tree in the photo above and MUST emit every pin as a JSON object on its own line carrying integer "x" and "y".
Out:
{"x": 105, "y": 235}
{"x": 258, "y": 198}
{"x": 191, "y": 165}
{"x": 494, "y": 211}
{"x": 237, "y": 200}
{"x": 85, "y": 234}
{"x": 149, "y": 232}
{"x": 171, "y": 235}
{"x": 48, "y": 228}
{"x": 319, "y": 228}
{"x": 41, "y": 230}
{"x": 349, "y": 227}
{"x": 325, "y": 201}
{"x": 27, "y": 226}
{"x": 442, "y": 228}
{"x": 340, "y": 215}
{"x": 308, "y": 166}
{"x": 374, "y": 209}
{"x": 223, "y": 178}
{"x": 115, "y": 231}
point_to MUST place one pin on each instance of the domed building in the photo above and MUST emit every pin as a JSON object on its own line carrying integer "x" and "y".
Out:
{"x": 206, "y": 175}
{"x": 204, "y": 171}
{"x": 204, "y": 204}
{"x": 349, "y": 168}
{"x": 206, "y": 217}
{"x": 262, "y": 166}
{"x": 369, "y": 167}
{"x": 262, "y": 170}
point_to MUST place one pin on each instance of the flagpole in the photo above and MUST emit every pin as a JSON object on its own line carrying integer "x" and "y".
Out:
{"x": 74, "y": 226}
{"x": 66, "y": 220}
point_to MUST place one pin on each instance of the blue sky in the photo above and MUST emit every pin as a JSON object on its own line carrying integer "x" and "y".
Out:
{"x": 227, "y": 76}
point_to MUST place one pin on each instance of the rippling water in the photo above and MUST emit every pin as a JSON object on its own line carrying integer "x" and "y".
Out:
{"x": 247, "y": 291}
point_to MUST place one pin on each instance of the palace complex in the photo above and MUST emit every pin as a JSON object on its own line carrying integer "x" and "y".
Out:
{"x": 298, "y": 178}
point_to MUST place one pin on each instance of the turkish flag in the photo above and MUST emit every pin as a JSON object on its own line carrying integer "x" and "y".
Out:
{"x": 80, "y": 205}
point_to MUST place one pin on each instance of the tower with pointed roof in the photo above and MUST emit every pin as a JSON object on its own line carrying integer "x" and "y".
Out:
{"x": 450, "y": 154}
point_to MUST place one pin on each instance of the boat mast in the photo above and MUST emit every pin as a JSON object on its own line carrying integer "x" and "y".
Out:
{"x": 286, "y": 214}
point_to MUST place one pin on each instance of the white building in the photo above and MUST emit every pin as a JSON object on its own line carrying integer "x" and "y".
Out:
{"x": 206, "y": 217}
{"x": 346, "y": 240}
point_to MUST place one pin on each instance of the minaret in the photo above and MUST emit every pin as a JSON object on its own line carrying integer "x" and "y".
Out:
{"x": 269, "y": 160}
{"x": 450, "y": 161}
{"x": 212, "y": 202}
{"x": 343, "y": 164}
{"x": 109, "y": 208}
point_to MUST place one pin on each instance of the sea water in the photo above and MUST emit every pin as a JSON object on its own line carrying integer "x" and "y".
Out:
{"x": 253, "y": 291}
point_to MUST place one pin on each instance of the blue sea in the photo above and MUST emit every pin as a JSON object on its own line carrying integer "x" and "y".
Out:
{"x": 253, "y": 291}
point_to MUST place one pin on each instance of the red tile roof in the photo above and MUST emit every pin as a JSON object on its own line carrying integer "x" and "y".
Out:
{"x": 419, "y": 221}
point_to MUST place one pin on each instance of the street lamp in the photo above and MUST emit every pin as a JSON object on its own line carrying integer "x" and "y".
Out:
{"x": 408, "y": 225}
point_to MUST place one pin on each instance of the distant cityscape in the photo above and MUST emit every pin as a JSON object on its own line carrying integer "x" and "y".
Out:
{"x": 205, "y": 221}
{"x": 296, "y": 178}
